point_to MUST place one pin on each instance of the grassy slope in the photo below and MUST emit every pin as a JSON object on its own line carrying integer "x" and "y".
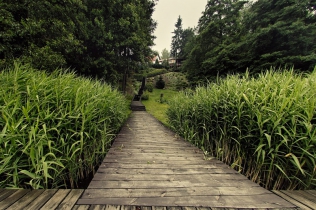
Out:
{"x": 157, "y": 109}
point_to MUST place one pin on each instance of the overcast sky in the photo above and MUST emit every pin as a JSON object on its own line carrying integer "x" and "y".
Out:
{"x": 167, "y": 13}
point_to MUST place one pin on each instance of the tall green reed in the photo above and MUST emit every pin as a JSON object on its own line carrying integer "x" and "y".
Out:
{"x": 263, "y": 127}
{"x": 54, "y": 128}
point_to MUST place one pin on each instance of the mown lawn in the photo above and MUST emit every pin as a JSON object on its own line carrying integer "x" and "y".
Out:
{"x": 157, "y": 107}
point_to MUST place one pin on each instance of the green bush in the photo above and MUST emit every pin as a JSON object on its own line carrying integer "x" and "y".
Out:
{"x": 156, "y": 72}
{"x": 145, "y": 96}
{"x": 160, "y": 84}
{"x": 149, "y": 87}
{"x": 55, "y": 129}
{"x": 263, "y": 127}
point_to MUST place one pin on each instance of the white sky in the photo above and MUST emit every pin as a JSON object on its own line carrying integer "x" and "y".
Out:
{"x": 167, "y": 13}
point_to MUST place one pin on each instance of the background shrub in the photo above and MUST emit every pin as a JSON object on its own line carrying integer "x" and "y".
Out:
{"x": 149, "y": 87}
{"x": 160, "y": 84}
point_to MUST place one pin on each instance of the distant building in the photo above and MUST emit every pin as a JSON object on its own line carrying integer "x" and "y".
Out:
{"x": 153, "y": 60}
{"x": 175, "y": 61}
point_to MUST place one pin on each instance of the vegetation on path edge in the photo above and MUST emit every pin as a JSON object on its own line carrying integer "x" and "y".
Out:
{"x": 56, "y": 128}
{"x": 263, "y": 127}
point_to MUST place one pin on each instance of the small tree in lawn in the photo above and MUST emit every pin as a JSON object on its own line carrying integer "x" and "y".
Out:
{"x": 160, "y": 84}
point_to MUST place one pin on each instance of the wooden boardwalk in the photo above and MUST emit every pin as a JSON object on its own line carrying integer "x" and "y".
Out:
{"x": 148, "y": 165}
{"x": 66, "y": 199}
{"x": 150, "y": 168}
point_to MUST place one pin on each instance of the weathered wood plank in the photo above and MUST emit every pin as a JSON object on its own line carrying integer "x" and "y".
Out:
{"x": 153, "y": 152}
{"x": 126, "y": 207}
{"x": 188, "y": 208}
{"x": 166, "y": 171}
{"x": 97, "y": 207}
{"x": 163, "y": 184}
{"x": 81, "y": 207}
{"x": 154, "y": 158}
{"x": 172, "y": 192}
{"x": 38, "y": 202}
{"x": 173, "y": 208}
{"x": 251, "y": 201}
{"x": 161, "y": 166}
{"x": 25, "y": 200}
{"x": 56, "y": 199}
{"x": 162, "y": 208}
{"x": 112, "y": 207}
{"x": 161, "y": 161}
{"x": 308, "y": 196}
{"x": 70, "y": 199}
{"x": 8, "y": 201}
{"x": 168, "y": 177}
{"x": 312, "y": 192}
{"x": 301, "y": 197}
{"x": 290, "y": 199}
{"x": 6, "y": 194}
{"x": 161, "y": 154}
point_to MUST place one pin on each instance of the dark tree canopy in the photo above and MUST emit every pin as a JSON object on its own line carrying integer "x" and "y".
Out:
{"x": 95, "y": 38}
{"x": 234, "y": 35}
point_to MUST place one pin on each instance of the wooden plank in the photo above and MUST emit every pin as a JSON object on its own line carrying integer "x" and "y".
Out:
{"x": 162, "y": 208}
{"x": 290, "y": 199}
{"x": 81, "y": 207}
{"x": 57, "y": 198}
{"x": 126, "y": 207}
{"x": 71, "y": 199}
{"x": 166, "y": 171}
{"x": 300, "y": 197}
{"x": 161, "y": 166}
{"x": 97, "y": 207}
{"x": 155, "y": 151}
{"x": 251, "y": 201}
{"x": 161, "y": 154}
{"x": 172, "y": 192}
{"x": 13, "y": 198}
{"x": 164, "y": 184}
{"x": 162, "y": 161}
{"x": 112, "y": 207}
{"x": 118, "y": 142}
{"x": 25, "y": 200}
{"x": 308, "y": 196}
{"x": 6, "y": 193}
{"x": 154, "y": 158}
{"x": 163, "y": 177}
{"x": 38, "y": 202}
{"x": 173, "y": 208}
{"x": 312, "y": 192}
{"x": 188, "y": 208}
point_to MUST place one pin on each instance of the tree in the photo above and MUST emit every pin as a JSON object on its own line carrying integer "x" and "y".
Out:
{"x": 187, "y": 38}
{"x": 103, "y": 39}
{"x": 218, "y": 28}
{"x": 165, "y": 55}
{"x": 176, "y": 38}
{"x": 281, "y": 33}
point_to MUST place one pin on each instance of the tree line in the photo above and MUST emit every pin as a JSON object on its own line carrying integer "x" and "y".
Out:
{"x": 235, "y": 35}
{"x": 97, "y": 38}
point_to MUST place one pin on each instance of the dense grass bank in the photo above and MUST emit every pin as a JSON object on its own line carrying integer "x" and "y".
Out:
{"x": 264, "y": 127}
{"x": 54, "y": 128}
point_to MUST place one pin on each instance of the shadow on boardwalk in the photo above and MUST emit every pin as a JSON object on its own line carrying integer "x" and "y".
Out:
{"x": 148, "y": 165}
